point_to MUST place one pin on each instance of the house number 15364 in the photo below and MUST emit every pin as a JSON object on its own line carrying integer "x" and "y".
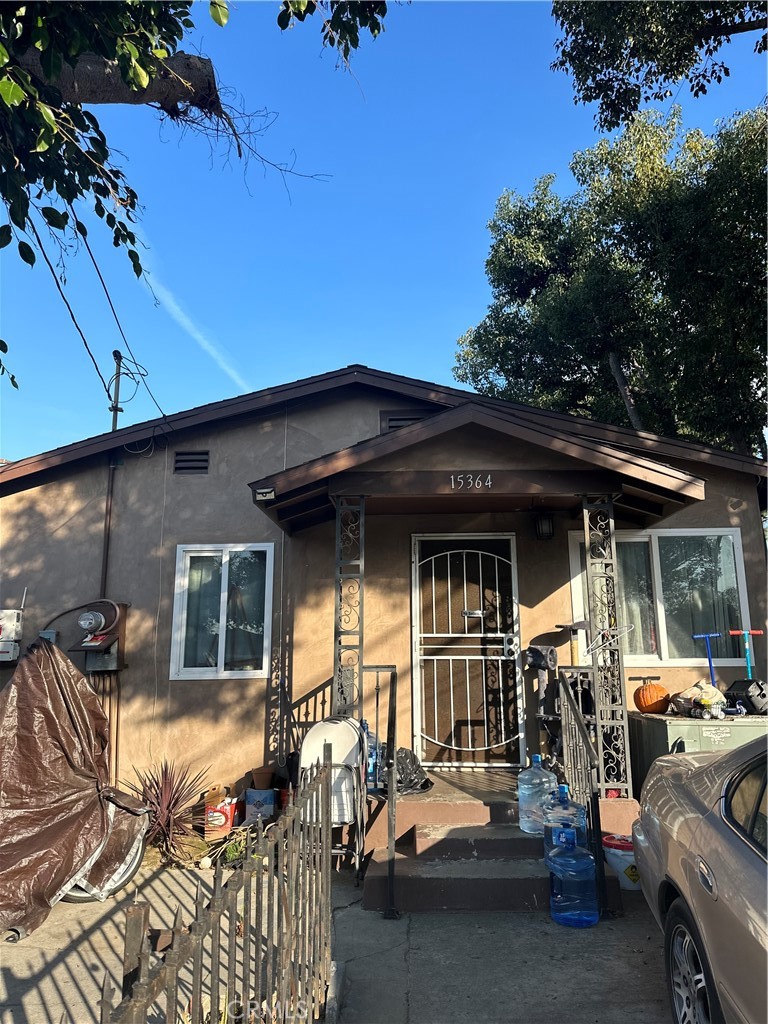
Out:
{"x": 467, "y": 481}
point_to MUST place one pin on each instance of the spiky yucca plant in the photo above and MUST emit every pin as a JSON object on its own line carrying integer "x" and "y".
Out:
{"x": 171, "y": 792}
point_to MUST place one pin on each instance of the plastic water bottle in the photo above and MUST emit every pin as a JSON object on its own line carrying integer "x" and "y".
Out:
{"x": 573, "y": 889}
{"x": 533, "y": 785}
{"x": 561, "y": 812}
{"x": 372, "y": 764}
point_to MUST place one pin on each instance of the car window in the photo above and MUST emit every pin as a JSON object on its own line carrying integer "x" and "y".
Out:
{"x": 760, "y": 829}
{"x": 746, "y": 804}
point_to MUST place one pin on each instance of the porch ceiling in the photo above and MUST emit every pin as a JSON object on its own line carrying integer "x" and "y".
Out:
{"x": 643, "y": 489}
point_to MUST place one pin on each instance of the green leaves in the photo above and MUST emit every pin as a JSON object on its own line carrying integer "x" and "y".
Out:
{"x": 27, "y": 253}
{"x": 653, "y": 272}
{"x": 55, "y": 218}
{"x": 10, "y": 93}
{"x": 219, "y": 12}
{"x": 139, "y": 76}
{"x": 625, "y": 54}
{"x": 4, "y": 369}
{"x": 55, "y": 155}
{"x": 343, "y": 20}
{"x": 51, "y": 62}
{"x": 133, "y": 256}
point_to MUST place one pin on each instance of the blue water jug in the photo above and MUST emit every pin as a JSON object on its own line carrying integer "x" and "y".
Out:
{"x": 560, "y": 812}
{"x": 372, "y": 768}
{"x": 573, "y": 889}
{"x": 533, "y": 785}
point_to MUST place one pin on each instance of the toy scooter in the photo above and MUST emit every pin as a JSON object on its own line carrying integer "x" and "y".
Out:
{"x": 703, "y": 707}
{"x": 707, "y": 638}
{"x": 746, "y": 634}
{"x": 749, "y": 691}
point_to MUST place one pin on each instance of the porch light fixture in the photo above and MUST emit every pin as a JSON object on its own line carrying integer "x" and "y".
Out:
{"x": 545, "y": 526}
{"x": 265, "y": 494}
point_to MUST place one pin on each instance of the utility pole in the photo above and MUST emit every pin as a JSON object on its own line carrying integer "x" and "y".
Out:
{"x": 115, "y": 407}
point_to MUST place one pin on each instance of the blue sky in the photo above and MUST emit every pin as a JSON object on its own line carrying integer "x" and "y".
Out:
{"x": 258, "y": 281}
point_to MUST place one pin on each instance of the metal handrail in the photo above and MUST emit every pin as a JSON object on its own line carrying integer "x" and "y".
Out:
{"x": 390, "y": 912}
{"x": 582, "y": 769}
{"x": 566, "y": 694}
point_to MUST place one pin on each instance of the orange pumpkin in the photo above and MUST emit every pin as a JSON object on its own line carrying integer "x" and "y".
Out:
{"x": 652, "y": 699}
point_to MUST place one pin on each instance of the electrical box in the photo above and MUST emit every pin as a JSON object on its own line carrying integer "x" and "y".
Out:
{"x": 9, "y": 651}
{"x": 11, "y": 624}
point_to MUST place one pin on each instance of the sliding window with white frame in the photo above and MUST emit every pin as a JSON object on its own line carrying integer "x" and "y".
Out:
{"x": 222, "y": 611}
{"x": 672, "y": 584}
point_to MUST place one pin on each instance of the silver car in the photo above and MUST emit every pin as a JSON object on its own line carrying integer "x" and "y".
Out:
{"x": 700, "y": 848}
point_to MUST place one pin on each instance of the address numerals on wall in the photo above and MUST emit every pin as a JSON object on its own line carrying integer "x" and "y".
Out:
{"x": 471, "y": 481}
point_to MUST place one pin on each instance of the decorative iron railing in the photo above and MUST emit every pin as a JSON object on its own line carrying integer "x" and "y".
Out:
{"x": 582, "y": 771}
{"x": 260, "y": 950}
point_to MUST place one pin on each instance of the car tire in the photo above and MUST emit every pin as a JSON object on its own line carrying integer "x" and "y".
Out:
{"x": 79, "y": 895}
{"x": 690, "y": 984}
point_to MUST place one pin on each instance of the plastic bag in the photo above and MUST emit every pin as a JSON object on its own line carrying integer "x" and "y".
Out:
{"x": 411, "y": 777}
{"x": 702, "y": 700}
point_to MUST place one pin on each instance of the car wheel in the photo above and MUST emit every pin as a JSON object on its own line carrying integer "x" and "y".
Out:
{"x": 690, "y": 984}
{"x": 79, "y": 895}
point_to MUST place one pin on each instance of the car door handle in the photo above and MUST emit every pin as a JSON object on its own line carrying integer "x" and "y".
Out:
{"x": 706, "y": 877}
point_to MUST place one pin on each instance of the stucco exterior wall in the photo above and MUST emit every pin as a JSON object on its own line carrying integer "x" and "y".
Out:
{"x": 51, "y": 537}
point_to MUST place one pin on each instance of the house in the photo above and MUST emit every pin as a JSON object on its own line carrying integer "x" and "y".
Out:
{"x": 267, "y": 551}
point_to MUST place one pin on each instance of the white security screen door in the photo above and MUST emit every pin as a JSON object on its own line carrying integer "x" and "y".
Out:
{"x": 468, "y": 699}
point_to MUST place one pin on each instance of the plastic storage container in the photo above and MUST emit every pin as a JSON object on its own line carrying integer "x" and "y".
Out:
{"x": 573, "y": 889}
{"x": 533, "y": 785}
{"x": 560, "y": 811}
{"x": 620, "y": 854}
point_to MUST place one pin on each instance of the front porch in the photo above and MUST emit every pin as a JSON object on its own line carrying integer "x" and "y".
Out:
{"x": 456, "y": 630}
{"x": 459, "y": 847}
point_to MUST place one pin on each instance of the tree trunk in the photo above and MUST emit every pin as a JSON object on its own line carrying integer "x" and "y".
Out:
{"x": 621, "y": 380}
{"x": 182, "y": 80}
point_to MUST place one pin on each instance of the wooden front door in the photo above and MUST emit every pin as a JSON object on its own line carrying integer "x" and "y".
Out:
{"x": 468, "y": 700}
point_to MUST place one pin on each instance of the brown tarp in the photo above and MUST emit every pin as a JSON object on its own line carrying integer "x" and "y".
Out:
{"x": 61, "y": 823}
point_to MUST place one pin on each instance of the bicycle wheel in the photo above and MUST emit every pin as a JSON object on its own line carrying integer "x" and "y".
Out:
{"x": 79, "y": 895}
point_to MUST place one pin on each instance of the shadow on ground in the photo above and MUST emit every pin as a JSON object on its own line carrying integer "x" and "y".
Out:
{"x": 489, "y": 968}
{"x": 61, "y": 966}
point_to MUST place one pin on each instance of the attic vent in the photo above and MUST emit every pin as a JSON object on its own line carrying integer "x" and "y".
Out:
{"x": 190, "y": 462}
{"x": 401, "y": 418}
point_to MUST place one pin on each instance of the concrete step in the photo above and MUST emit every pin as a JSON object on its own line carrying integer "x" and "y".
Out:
{"x": 420, "y": 810}
{"x": 478, "y": 842}
{"x": 421, "y": 884}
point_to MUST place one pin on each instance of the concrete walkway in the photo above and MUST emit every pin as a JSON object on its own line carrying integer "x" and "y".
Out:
{"x": 61, "y": 966}
{"x": 430, "y": 968}
{"x": 497, "y": 968}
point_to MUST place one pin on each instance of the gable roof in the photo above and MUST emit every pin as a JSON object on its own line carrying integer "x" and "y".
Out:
{"x": 301, "y": 495}
{"x": 259, "y": 402}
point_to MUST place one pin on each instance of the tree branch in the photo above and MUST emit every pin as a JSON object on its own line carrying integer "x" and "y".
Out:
{"x": 182, "y": 80}
{"x": 623, "y": 386}
{"x": 719, "y": 28}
